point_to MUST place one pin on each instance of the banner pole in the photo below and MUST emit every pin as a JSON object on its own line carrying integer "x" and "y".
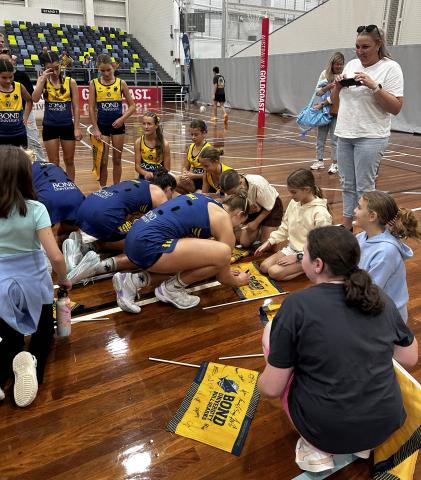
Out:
{"x": 264, "y": 51}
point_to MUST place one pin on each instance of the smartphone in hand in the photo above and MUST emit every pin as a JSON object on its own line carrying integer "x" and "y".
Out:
{"x": 350, "y": 82}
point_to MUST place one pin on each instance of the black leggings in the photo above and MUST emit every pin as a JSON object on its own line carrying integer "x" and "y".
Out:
{"x": 13, "y": 342}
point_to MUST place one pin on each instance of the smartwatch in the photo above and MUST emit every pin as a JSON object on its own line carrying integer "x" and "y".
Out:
{"x": 378, "y": 88}
{"x": 299, "y": 256}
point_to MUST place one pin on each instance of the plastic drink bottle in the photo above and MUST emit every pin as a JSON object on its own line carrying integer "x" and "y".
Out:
{"x": 63, "y": 314}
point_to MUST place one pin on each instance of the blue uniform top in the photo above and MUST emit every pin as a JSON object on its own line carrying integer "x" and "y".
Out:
{"x": 105, "y": 211}
{"x": 56, "y": 191}
{"x": 183, "y": 216}
{"x": 58, "y": 104}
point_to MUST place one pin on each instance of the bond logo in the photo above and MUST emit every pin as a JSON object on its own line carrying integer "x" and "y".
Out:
{"x": 103, "y": 194}
{"x": 9, "y": 117}
{"x": 56, "y": 106}
{"x": 254, "y": 284}
{"x": 60, "y": 186}
{"x": 110, "y": 106}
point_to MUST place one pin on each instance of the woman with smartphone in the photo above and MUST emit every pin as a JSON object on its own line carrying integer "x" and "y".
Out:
{"x": 364, "y": 119}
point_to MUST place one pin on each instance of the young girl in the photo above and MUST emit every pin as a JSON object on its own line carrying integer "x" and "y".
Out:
{"x": 211, "y": 163}
{"x": 13, "y": 116}
{"x": 108, "y": 215}
{"x": 330, "y": 355}
{"x": 106, "y": 114}
{"x": 307, "y": 210}
{"x": 382, "y": 250}
{"x": 266, "y": 208}
{"x": 191, "y": 179}
{"x": 175, "y": 239}
{"x": 26, "y": 290}
{"x": 151, "y": 149}
{"x": 61, "y": 106}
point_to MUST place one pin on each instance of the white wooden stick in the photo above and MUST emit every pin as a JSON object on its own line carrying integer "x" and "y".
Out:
{"x": 244, "y": 301}
{"x": 173, "y": 362}
{"x": 88, "y": 319}
{"x": 242, "y": 356}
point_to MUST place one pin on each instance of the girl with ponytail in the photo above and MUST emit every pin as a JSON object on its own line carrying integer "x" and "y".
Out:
{"x": 383, "y": 252}
{"x": 307, "y": 209}
{"x": 329, "y": 354}
{"x": 61, "y": 123}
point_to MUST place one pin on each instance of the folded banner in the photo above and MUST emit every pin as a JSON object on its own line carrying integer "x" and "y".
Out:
{"x": 238, "y": 254}
{"x": 219, "y": 407}
{"x": 97, "y": 152}
{"x": 395, "y": 459}
{"x": 267, "y": 312}
{"x": 259, "y": 285}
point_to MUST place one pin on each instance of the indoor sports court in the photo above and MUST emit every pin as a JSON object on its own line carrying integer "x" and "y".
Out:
{"x": 121, "y": 395}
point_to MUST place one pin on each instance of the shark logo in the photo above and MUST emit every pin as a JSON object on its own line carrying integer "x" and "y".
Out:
{"x": 227, "y": 385}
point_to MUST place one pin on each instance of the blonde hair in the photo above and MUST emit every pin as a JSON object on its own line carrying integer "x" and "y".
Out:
{"x": 401, "y": 222}
{"x": 336, "y": 57}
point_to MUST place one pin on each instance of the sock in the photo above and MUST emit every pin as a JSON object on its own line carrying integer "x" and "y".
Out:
{"x": 106, "y": 266}
{"x": 178, "y": 282}
{"x": 141, "y": 279}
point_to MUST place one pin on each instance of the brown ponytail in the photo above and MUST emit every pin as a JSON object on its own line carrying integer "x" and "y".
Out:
{"x": 238, "y": 201}
{"x": 340, "y": 252}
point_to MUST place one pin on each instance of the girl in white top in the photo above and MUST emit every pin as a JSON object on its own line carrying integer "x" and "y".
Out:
{"x": 307, "y": 210}
{"x": 364, "y": 119}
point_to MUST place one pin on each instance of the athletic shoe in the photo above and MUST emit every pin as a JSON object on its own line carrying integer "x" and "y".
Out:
{"x": 169, "y": 293}
{"x": 72, "y": 254}
{"x": 2, "y": 395}
{"x": 226, "y": 118}
{"x": 126, "y": 292}
{"x": 364, "y": 454}
{"x": 310, "y": 459}
{"x": 333, "y": 168}
{"x": 84, "y": 247}
{"x": 85, "y": 269}
{"x": 26, "y": 383}
{"x": 318, "y": 165}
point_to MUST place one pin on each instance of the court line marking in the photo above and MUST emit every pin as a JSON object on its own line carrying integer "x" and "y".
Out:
{"x": 111, "y": 311}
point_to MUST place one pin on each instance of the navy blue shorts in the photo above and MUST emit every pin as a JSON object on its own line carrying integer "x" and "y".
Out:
{"x": 109, "y": 130}
{"x": 145, "y": 252}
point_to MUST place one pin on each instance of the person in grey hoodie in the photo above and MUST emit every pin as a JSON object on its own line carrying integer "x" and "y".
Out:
{"x": 383, "y": 252}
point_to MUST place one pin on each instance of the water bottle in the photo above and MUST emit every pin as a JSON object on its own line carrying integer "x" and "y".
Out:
{"x": 63, "y": 313}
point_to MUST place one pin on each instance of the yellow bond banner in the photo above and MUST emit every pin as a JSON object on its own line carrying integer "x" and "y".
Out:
{"x": 395, "y": 459}
{"x": 238, "y": 254}
{"x": 259, "y": 285}
{"x": 97, "y": 152}
{"x": 219, "y": 407}
{"x": 268, "y": 312}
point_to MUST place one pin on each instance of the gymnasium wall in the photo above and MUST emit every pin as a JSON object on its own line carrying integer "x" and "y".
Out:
{"x": 292, "y": 79}
{"x": 150, "y": 22}
{"x": 410, "y": 30}
{"x": 332, "y": 23}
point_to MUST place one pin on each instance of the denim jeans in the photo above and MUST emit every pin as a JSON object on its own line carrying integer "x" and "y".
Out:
{"x": 322, "y": 133}
{"x": 33, "y": 137}
{"x": 358, "y": 163}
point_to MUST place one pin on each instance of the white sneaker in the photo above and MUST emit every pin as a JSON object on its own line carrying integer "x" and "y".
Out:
{"x": 363, "y": 454}
{"x": 26, "y": 383}
{"x": 77, "y": 237}
{"x": 333, "y": 168}
{"x": 318, "y": 165}
{"x": 72, "y": 254}
{"x": 310, "y": 459}
{"x": 169, "y": 293}
{"x": 126, "y": 292}
{"x": 2, "y": 395}
{"x": 85, "y": 269}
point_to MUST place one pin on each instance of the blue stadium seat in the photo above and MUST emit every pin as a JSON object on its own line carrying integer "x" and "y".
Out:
{"x": 24, "y": 52}
{"x": 30, "y": 48}
{"x": 76, "y": 49}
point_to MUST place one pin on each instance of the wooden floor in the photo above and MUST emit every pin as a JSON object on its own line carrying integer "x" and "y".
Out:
{"x": 102, "y": 411}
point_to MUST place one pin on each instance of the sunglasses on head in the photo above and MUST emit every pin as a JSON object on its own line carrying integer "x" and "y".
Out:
{"x": 367, "y": 28}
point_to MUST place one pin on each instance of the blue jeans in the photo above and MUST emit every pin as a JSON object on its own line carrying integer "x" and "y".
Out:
{"x": 322, "y": 133}
{"x": 33, "y": 138}
{"x": 358, "y": 163}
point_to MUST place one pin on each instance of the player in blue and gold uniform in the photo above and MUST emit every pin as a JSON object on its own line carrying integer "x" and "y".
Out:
{"x": 191, "y": 179}
{"x": 107, "y": 114}
{"x": 151, "y": 149}
{"x": 175, "y": 239}
{"x": 210, "y": 160}
{"x": 62, "y": 114}
{"x": 13, "y": 116}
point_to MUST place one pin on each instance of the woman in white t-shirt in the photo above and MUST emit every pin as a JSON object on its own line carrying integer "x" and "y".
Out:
{"x": 364, "y": 119}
